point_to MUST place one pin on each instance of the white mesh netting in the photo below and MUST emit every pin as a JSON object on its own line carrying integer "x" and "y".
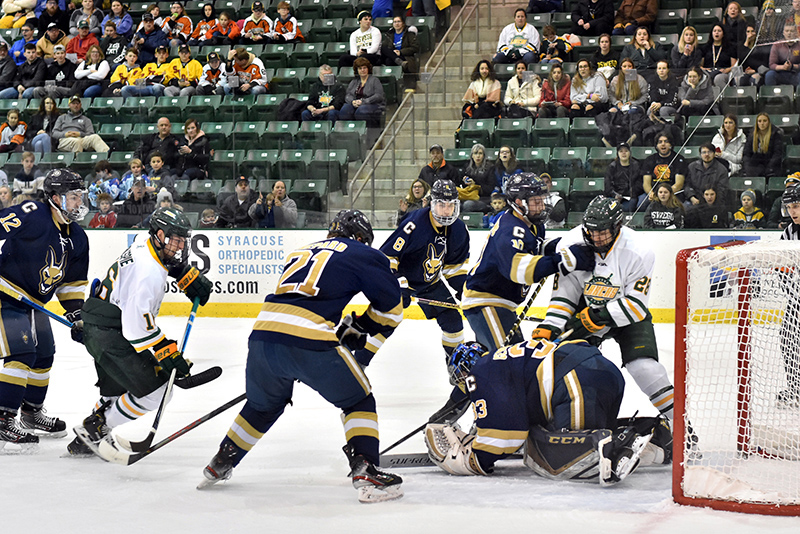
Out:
{"x": 742, "y": 369}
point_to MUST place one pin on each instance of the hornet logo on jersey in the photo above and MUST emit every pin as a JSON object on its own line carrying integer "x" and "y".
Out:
{"x": 600, "y": 290}
{"x": 52, "y": 273}
{"x": 433, "y": 264}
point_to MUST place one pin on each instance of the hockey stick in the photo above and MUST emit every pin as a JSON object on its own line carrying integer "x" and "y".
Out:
{"x": 524, "y": 311}
{"x": 16, "y": 295}
{"x": 419, "y": 459}
{"x": 448, "y": 411}
{"x": 140, "y": 446}
{"x": 109, "y": 453}
{"x": 442, "y": 304}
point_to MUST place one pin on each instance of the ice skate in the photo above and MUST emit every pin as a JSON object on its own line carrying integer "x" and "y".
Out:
{"x": 93, "y": 430}
{"x": 693, "y": 453}
{"x": 34, "y": 421}
{"x": 13, "y": 436}
{"x": 787, "y": 399}
{"x": 372, "y": 485}
{"x": 220, "y": 467}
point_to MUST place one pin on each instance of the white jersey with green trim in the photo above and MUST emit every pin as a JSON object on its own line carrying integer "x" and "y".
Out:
{"x": 620, "y": 282}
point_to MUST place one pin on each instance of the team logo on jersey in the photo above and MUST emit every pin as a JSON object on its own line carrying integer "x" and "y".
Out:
{"x": 25, "y": 338}
{"x": 600, "y": 290}
{"x": 432, "y": 264}
{"x": 52, "y": 273}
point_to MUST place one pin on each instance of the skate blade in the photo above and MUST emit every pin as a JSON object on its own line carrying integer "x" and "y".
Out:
{"x": 373, "y": 494}
{"x": 8, "y": 448}
{"x": 44, "y": 433}
{"x": 208, "y": 482}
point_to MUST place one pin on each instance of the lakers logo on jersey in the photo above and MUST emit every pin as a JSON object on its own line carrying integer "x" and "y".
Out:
{"x": 52, "y": 273}
{"x": 600, "y": 290}
{"x": 432, "y": 264}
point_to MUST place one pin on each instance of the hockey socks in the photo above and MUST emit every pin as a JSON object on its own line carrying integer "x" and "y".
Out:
{"x": 129, "y": 407}
{"x": 361, "y": 428}
{"x": 651, "y": 377}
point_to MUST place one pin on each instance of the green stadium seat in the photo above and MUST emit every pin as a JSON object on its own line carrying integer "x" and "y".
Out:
{"x": 561, "y": 186}
{"x": 246, "y": 134}
{"x": 586, "y": 50}
{"x": 533, "y": 159}
{"x": 311, "y": 9}
{"x": 390, "y": 77}
{"x": 330, "y": 165}
{"x": 224, "y": 165}
{"x": 634, "y": 220}
{"x": 513, "y": 132}
{"x": 757, "y": 184}
{"x": 472, "y": 219}
{"x": 425, "y": 30}
{"x": 204, "y": 190}
{"x": 668, "y": 41}
{"x": 203, "y": 108}
{"x": 136, "y": 108}
{"x": 739, "y": 100}
{"x": 550, "y": 132}
{"x": 117, "y": 133}
{"x": 259, "y": 163}
{"x": 458, "y": 157}
{"x": 670, "y": 20}
{"x": 775, "y": 185}
{"x": 788, "y": 123}
{"x": 568, "y": 162}
{"x": 540, "y": 69}
{"x": 310, "y": 195}
{"x": 182, "y": 187}
{"x": 119, "y": 160}
{"x": 706, "y": 126}
{"x": 583, "y": 191}
{"x": 704, "y": 18}
{"x": 307, "y": 55}
{"x": 106, "y": 109}
{"x": 52, "y": 160}
{"x": 475, "y": 131}
{"x": 540, "y": 20}
{"x": 562, "y": 22}
{"x": 293, "y": 164}
{"x": 279, "y": 135}
{"x": 791, "y": 161}
{"x": 219, "y": 133}
{"x": 84, "y": 162}
{"x": 504, "y": 71}
{"x": 341, "y": 9}
{"x": 333, "y": 51}
{"x": 349, "y": 135}
{"x": 325, "y": 30}
{"x": 287, "y": 80}
{"x": 313, "y": 135}
{"x": 266, "y": 107}
{"x": 599, "y": 159}
{"x": 574, "y": 218}
{"x": 748, "y": 122}
{"x": 775, "y": 99}
{"x": 276, "y": 56}
{"x": 171, "y": 107}
{"x": 139, "y": 130}
{"x": 618, "y": 42}
{"x": 641, "y": 153}
{"x": 235, "y": 108}
{"x": 584, "y": 132}
{"x": 690, "y": 153}
{"x": 255, "y": 49}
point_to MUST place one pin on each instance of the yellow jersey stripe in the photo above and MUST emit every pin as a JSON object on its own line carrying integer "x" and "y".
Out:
{"x": 356, "y": 369}
{"x": 391, "y": 318}
{"x": 522, "y": 266}
{"x": 475, "y": 299}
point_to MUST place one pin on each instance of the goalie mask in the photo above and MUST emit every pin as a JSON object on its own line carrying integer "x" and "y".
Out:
{"x": 602, "y": 214}
{"x": 174, "y": 249}
{"x": 531, "y": 191}
{"x": 462, "y": 360}
{"x": 445, "y": 205}
{"x": 69, "y": 187}
{"x": 352, "y": 224}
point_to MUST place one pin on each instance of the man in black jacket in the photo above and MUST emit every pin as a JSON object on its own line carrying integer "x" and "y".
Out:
{"x": 8, "y": 68}
{"x": 136, "y": 208}
{"x": 63, "y": 72}
{"x": 161, "y": 141}
{"x": 53, "y": 13}
{"x": 233, "y": 212}
{"x": 32, "y": 73}
{"x": 326, "y": 97}
{"x": 438, "y": 169}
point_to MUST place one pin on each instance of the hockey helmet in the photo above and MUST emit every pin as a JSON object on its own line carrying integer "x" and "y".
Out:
{"x": 461, "y": 361}
{"x": 59, "y": 182}
{"x": 352, "y": 224}
{"x": 524, "y": 187}
{"x": 174, "y": 224}
{"x": 602, "y": 213}
{"x": 791, "y": 195}
{"x": 445, "y": 205}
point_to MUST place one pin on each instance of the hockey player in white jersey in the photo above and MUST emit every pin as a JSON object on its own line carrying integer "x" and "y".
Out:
{"x": 611, "y": 302}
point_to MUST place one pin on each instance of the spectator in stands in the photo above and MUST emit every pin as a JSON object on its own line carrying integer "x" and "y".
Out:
{"x": 125, "y": 74}
{"x": 784, "y": 59}
{"x": 12, "y": 132}
{"x": 729, "y": 143}
{"x": 364, "y": 99}
{"x": 418, "y": 197}
{"x": 137, "y": 207}
{"x": 364, "y": 42}
{"x": 556, "y": 91}
{"x": 5, "y": 197}
{"x": 479, "y": 172}
{"x": 93, "y": 17}
{"x": 214, "y": 78}
{"x": 623, "y": 176}
{"x": 208, "y": 219}
{"x": 276, "y": 210}
{"x": 194, "y": 152}
{"x": 148, "y": 39}
{"x": 74, "y": 130}
{"x": 257, "y": 26}
{"x": 53, "y": 37}
{"x": 92, "y": 74}
{"x": 554, "y": 49}
{"x": 719, "y": 56}
{"x": 588, "y": 92}
{"x": 326, "y": 97}
{"x": 161, "y": 141}
{"x": 155, "y": 11}
{"x": 154, "y": 78}
{"x": 504, "y": 168}
{"x": 161, "y": 178}
{"x": 779, "y": 216}
{"x": 482, "y": 99}
{"x": 104, "y": 180}
{"x": 105, "y": 218}
{"x": 224, "y": 32}
{"x": 518, "y": 41}
{"x": 136, "y": 173}
{"x": 753, "y": 58}
{"x": 707, "y": 172}
{"x": 644, "y": 52}
{"x": 665, "y": 212}
{"x": 555, "y": 203}
{"x": 438, "y": 168}
{"x": 233, "y": 213}
{"x": 17, "y": 13}
{"x": 763, "y": 151}
{"x": 123, "y": 22}
{"x": 735, "y": 23}
{"x": 30, "y": 75}
{"x": 285, "y": 29}
{"x": 770, "y": 23}
{"x": 498, "y": 207}
{"x": 663, "y": 94}
{"x": 749, "y": 216}
{"x": 523, "y": 93}
{"x": 41, "y": 124}
{"x": 208, "y": 21}
{"x": 605, "y": 58}
{"x": 695, "y": 93}
{"x": 81, "y": 43}
{"x": 184, "y": 74}
{"x": 113, "y": 44}
{"x": 178, "y": 25}
{"x": 709, "y": 213}
{"x": 663, "y": 166}
{"x": 401, "y": 47}
{"x": 17, "y": 50}
{"x": 627, "y": 94}
{"x": 53, "y": 12}
{"x": 250, "y": 71}
{"x": 633, "y": 14}
{"x": 8, "y": 68}
{"x": 592, "y": 17}
{"x": 687, "y": 53}
{"x": 30, "y": 179}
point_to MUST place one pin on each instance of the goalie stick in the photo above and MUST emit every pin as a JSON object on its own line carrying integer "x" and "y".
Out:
{"x": 419, "y": 459}
{"x": 109, "y": 453}
{"x": 451, "y": 409}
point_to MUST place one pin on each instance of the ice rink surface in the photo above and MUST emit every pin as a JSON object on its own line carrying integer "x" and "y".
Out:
{"x": 294, "y": 480}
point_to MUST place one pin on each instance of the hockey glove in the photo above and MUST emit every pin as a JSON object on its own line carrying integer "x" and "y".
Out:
{"x": 77, "y": 325}
{"x": 545, "y": 331}
{"x": 351, "y": 334}
{"x": 194, "y": 284}
{"x": 169, "y": 358}
{"x": 576, "y": 257}
{"x": 588, "y": 321}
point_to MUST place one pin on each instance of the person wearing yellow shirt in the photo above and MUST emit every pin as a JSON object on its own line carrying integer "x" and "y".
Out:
{"x": 154, "y": 77}
{"x": 125, "y": 74}
{"x": 185, "y": 74}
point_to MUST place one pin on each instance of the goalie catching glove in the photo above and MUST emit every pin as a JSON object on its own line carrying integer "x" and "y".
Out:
{"x": 450, "y": 448}
{"x": 169, "y": 357}
{"x": 351, "y": 334}
{"x": 588, "y": 321}
{"x": 193, "y": 283}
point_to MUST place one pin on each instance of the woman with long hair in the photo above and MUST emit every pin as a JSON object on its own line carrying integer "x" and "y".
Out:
{"x": 763, "y": 151}
{"x": 482, "y": 99}
{"x": 588, "y": 92}
{"x": 686, "y": 54}
{"x": 555, "y": 94}
{"x": 665, "y": 212}
{"x": 364, "y": 99}
{"x": 753, "y": 58}
{"x": 418, "y": 197}
{"x": 523, "y": 94}
{"x": 505, "y": 167}
{"x": 628, "y": 93}
{"x": 121, "y": 18}
{"x": 695, "y": 93}
{"x": 644, "y": 52}
{"x": 194, "y": 152}
{"x": 201, "y": 27}
{"x": 735, "y": 23}
{"x": 40, "y": 127}
{"x": 92, "y": 73}
{"x": 719, "y": 57}
{"x": 479, "y": 172}
{"x": 729, "y": 143}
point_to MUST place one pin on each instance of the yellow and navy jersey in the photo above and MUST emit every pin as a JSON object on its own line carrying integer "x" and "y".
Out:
{"x": 507, "y": 264}
{"x": 318, "y": 281}
{"x": 420, "y": 252}
{"x": 40, "y": 257}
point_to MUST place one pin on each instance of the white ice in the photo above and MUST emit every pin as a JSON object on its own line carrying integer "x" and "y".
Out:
{"x": 295, "y": 479}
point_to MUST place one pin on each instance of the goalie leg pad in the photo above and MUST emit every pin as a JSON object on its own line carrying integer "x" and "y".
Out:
{"x": 565, "y": 454}
{"x": 450, "y": 448}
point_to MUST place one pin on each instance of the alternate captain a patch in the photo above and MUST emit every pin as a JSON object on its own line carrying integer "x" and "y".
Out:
{"x": 599, "y": 290}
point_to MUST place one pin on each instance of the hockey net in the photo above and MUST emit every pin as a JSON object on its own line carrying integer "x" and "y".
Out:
{"x": 737, "y": 339}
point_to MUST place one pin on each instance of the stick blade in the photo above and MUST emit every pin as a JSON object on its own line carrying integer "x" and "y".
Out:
{"x": 203, "y": 377}
{"x": 110, "y": 453}
{"x": 135, "y": 446}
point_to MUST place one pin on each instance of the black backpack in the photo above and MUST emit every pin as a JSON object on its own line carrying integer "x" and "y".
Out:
{"x": 290, "y": 109}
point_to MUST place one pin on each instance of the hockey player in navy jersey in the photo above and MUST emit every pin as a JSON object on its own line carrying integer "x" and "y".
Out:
{"x": 45, "y": 253}
{"x": 513, "y": 258}
{"x": 428, "y": 252}
{"x": 133, "y": 357}
{"x": 563, "y": 399}
{"x": 296, "y": 338}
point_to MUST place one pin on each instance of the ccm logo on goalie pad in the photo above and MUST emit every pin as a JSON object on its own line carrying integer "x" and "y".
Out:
{"x": 565, "y": 440}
